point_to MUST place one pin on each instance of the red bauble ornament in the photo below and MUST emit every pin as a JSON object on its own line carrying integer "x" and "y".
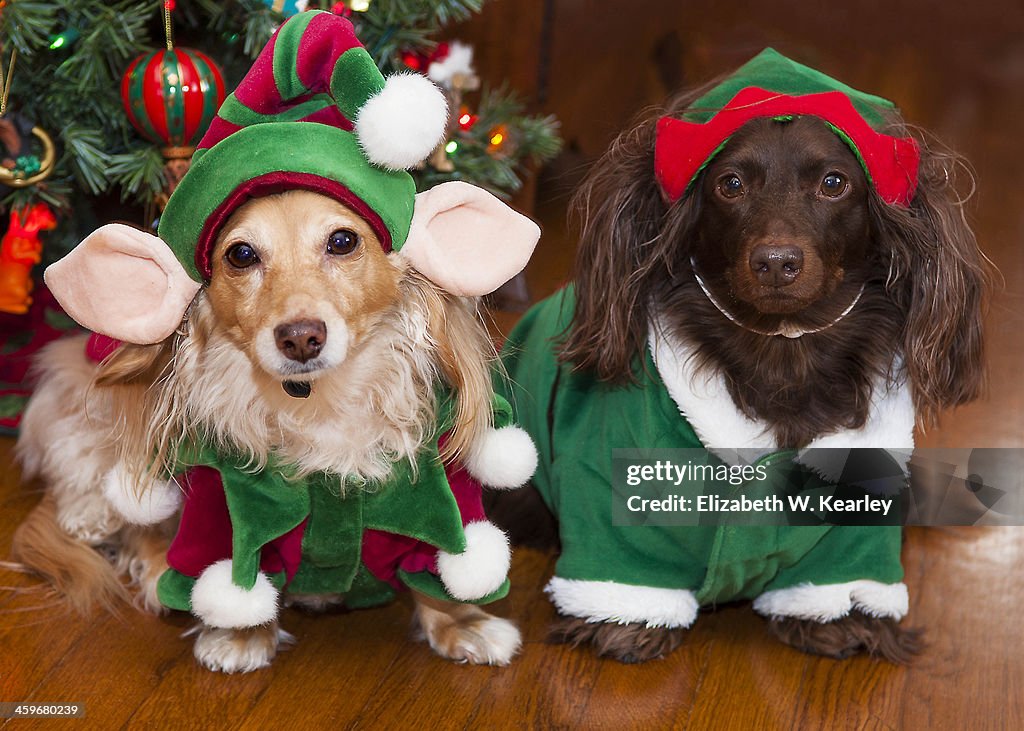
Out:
{"x": 171, "y": 96}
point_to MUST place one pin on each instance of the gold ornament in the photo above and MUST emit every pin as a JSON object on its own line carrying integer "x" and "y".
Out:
{"x": 17, "y": 178}
{"x": 14, "y": 139}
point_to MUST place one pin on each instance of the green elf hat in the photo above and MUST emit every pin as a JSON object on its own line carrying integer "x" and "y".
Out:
{"x": 313, "y": 113}
{"x": 771, "y": 85}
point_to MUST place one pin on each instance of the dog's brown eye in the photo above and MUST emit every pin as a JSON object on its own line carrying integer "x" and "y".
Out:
{"x": 241, "y": 256}
{"x": 730, "y": 186}
{"x": 833, "y": 185}
{"x": 342, "y": 242}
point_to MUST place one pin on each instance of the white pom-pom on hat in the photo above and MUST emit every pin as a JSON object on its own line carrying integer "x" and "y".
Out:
{"x": 220, "y": 602}
{"x": 504, "y": 458}
{"x": 402, "y": 124}
{"x": 479, "y": 570}
{"x": 152, "y": 504}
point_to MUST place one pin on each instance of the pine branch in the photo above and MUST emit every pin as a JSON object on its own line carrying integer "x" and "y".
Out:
{"x": 497, "y": 168}
{"x": 138, "y": 172}
{"x": 390, "y": 27}
{"x": 27, "y": 25}
{"x": 73, "y": 92}
{"x": 90, "y": 160}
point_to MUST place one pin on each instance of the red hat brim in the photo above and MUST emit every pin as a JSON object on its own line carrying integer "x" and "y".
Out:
{"x": 683, "y": 148}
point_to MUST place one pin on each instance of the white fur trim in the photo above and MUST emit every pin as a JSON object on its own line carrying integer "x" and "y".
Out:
{"x": 608, "y": 601}
{"x": 504, "y": 458}
{"x": 481, "y": 568}
{"x": 219, "y": 602}
{"x": 890, "y": 423}
{"x": 829, "y": 602}
{"x": 150, "y": 505}
{"x": 704, "y": 399}
{"x": 706, "y": 403}
{"x": 890, "y": 426}
{"x": 402, "y": 124}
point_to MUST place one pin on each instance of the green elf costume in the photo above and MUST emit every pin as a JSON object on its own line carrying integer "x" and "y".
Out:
{"x": 661, "y": 575}
{"x": 313, "y": 113}
{"x": 244, "y": 536}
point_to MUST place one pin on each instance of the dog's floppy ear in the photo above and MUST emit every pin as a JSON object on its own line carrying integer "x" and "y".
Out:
{"x": 124, "y": 283}
{"x": 941, "y": 278}
{"x": 466, "y": 241}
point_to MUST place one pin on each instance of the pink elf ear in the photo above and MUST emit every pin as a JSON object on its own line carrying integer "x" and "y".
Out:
{"x": 466, "y": 241}
{"x": 123, "y": 283}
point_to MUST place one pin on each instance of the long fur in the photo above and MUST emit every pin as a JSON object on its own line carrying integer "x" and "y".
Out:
{"x": 926, "y": 302}
{"x": 384, "y": 403}
{"x": 142, "y": 404}
{"x": 65, "y": 441}
{"x": 918, "y": 321}
{"x": 850, "y": 635}
{"x": 629, "y": 643}
{"x": 81, "y": 576}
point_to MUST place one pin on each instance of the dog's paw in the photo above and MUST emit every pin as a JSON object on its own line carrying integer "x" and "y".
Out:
{"x": 629, "y": 643}
{"x": 239, "y": 650}
{"x": 466, "y": 633}
{"x": 90, "y": 521}
{"x": 485, "y": 641}
{"x": 857, "y": 632}
{"x": 141, "y": 553}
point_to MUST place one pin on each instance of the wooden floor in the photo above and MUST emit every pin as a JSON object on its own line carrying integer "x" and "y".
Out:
{"x": 362, "y": 670}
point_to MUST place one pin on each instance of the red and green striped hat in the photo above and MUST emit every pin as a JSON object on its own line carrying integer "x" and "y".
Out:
{"x": 771, "y": 85}
{"x": 313, "y": 113}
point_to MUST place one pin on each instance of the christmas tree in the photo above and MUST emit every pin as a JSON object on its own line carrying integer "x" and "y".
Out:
{"x": 64, "y": 62}
{"x": 83, "y": 141}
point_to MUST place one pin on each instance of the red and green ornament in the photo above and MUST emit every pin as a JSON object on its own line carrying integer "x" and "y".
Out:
{"x": 172, "y": 95}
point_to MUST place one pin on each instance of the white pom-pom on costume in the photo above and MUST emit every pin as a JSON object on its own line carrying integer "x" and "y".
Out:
{"x": 504, "y": 458}
{"x": 481, "y": 568}
{"x": 152, "y": 504}
{"x": 219, "y": 602}
{"x": 403, "y": 123}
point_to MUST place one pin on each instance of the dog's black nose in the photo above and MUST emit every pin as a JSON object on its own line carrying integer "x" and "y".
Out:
{"x": 776, "y": 265}
{"x": 301, "y": 340}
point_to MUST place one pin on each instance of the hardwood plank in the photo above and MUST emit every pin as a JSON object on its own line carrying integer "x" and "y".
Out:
{"x": 751, "y": 681}
{"x": 968, "y": 591}
{"x": 187, "y": 696}
{"x": 549, "y": 685}
{"x": 32, "y": 643}
{"x": 657, "y": 694}
{"x": 36, "y": 631}
{"x": 335, "y": 666}
{"x": 114, "y": 666}
{"x": 439, "y": 693}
